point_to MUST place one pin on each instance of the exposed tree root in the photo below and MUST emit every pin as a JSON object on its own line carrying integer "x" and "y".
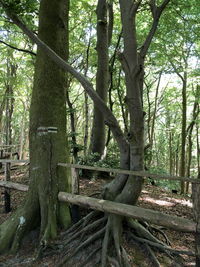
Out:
{"x": 81, "y": 223}
{"x": 105, "y": 244}
{"x": 156, "y": 229}
{"x": 90, "y": 256}
{"x": 162, "y": 248}
{"x": 100, "y": 235}
{"x": 85, "y": 230}
{"x": 101, "y": 238}
{"x": 152, "y": 256}
{"x": 86, "y": 243}
{"x": 142, "y": 232}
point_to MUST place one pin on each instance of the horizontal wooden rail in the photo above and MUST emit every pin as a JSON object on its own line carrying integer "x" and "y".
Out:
{"x": 155, "y": 217}
{"x": 138, "y": 173}
{"x": 13, "y": 161}
{"x": 158, "y": 218}
{"x": 9, "y": 145}
{"x": 128, "y": 172}
{"x": 17, "y": 186}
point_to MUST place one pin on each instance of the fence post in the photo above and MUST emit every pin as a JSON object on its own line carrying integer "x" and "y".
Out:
{"x": 7, "y": 202}
{"x": 75, "y": 190}
{"x": 196, "y": 212}
{"x": 75, "y": 181}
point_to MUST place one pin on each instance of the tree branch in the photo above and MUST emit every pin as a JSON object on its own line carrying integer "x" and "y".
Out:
{"x": 135, "y": 7}
{"x": 163, "y": 5}
{"x": 153, "y": 7}
{"x": 176, "y": 70}
{"x": 18, "y": 49}
{"x": 111, "y": 22}
{"x": 156, "y": 12}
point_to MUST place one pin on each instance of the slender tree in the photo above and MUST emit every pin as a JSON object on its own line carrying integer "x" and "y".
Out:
{"x": 98, "y": 134}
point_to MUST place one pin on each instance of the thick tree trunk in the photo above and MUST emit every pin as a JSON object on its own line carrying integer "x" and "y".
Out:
{"x": 46, "y": 148}
{"x": 48, "y": 140}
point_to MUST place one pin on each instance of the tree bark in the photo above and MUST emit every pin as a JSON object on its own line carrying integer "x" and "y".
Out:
{"x": 46, "y": 148}
{"x": 183, "y": 132}
{"x": 189, "y": 131}
{"x": 22, "y": 138}
{"x": 98, "y": 134}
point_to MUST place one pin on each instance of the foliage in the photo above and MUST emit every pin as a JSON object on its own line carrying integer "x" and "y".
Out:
{"x": 110, "y": 161}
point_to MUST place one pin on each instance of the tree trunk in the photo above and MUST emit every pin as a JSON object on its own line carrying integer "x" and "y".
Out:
{"x": 22, "y": 138}
{"x": 198, "y": 147}
{"x": 171, "y": 154}
{"x": 48, "y": 140}
{"x": 155, "y": 109}
{"x": 11, "y": 76}
{"x": 133, "y": 71}
{"x": 189, "y": 131}
{"x": 183, "y": 132}
{"x": 86, "y": 104}
{"x": 73, "y": 127}
{"x": 46, "y": 148}
{"x": 98, "y": 129}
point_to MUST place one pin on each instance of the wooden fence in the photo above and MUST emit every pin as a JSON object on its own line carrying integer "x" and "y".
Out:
{"x": 158, "y": 218}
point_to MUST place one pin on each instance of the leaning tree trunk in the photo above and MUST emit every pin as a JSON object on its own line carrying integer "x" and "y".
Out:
{"x": 47, "y": 138}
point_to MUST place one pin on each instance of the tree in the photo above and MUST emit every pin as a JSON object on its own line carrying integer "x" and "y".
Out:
{"x": 47, "y": 138}
{"x": 98, "y": 134}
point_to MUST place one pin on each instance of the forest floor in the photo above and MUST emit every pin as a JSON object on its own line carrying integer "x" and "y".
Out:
{"x": 152, "y": 197}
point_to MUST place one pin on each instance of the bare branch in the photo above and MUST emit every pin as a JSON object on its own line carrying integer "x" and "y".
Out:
{"x": 18, "y": 49}
{"x": 176, "y": 70}
{"x": 156, "y": 11}
{"x": 164, "y": 4}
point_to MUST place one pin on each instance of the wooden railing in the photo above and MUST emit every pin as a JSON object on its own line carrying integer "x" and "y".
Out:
{"x": 159, "y": 218}
{"x": 143, "y": 174}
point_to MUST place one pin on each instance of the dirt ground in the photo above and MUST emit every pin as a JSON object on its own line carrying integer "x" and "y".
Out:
{"x": 152, "y": 197}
